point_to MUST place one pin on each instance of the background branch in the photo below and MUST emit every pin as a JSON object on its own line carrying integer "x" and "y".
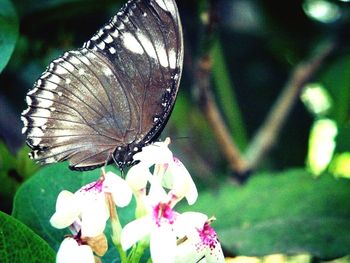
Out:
{"x": 266, "y": 136}
{"x": 227, "y": 145}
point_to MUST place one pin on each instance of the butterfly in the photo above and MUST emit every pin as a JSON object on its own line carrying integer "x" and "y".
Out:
{"x": 103, "y": 102}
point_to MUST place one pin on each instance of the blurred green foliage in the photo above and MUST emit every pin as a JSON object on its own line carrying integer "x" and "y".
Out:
{"x": 8, "y": 31}
{"x": 254, "y": 47}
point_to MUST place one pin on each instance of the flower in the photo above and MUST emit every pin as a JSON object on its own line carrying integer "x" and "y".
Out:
{"x": 155, "y": 213}
{"x": 168, "y": 169}
{"x": 199, "y": 239}
{"x": 157, "y": 223}
{"x": 86, "y": 210}
{"x": 71, "y": 251}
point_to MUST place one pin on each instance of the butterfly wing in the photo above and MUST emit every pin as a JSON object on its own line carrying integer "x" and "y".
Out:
{"x": 148, "y": 50}
{"x": 116, "y": 92}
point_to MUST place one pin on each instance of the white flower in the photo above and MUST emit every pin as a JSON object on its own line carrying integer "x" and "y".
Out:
{"x": 170, "y": 171}
{"x": 158, "y": 224}
{"x": 86, "y": 210}
{"x": 200, "y": 239}
{"x": 71, "y": 251}
{"x": 179, "y": 180}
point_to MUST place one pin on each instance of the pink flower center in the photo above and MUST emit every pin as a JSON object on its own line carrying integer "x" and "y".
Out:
{"x": 163, "y": 213}
{"x": 94, "y": 187}
{"x": 208, "y": 236}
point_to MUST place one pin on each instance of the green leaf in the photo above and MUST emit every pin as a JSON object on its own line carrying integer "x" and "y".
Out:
{"x": 35, "y": 202}
{"x": 20, "y": 244}
{"x": 337, "y": 81}
{"x": 8, "y": 31}
{"x": 290, "y": 212}
{"x": 343, "y": 139}
{"x": 26, "y": 167}
{"x": 8, "y": 177}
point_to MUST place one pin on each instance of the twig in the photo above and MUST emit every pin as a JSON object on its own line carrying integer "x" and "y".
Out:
{"x": 267, "y": 135}
{"x": 209, "y": 107}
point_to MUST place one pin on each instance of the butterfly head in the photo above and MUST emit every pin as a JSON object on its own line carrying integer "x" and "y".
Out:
{"x": 123, "y": 155}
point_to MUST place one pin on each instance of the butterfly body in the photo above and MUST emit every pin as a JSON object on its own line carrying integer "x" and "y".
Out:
{"x": 104, "y": 102}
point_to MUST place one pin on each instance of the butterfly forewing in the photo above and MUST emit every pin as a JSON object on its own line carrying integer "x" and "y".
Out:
{"x": 117, "y": 92}
{"x": 147, "y": 43}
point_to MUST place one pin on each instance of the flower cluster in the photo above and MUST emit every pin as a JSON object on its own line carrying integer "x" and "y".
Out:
{"x": 158, "y": 182}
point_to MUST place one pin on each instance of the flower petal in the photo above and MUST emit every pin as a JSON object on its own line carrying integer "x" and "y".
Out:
{"x": 187, "y": 223}
{"x": 156, "y": 193}
{"x": 215, "y": 254}
{"x": 179, "y": 180}
{"x": 163, "y": 245}
{"x": 94, "y": 212}
{"x": 154, "y": 153}
{"x": 71, "y": 252}
{"x": 119, "y": 188}
{"x": 93, "y": 222}
{"x": 187, "y": 252}
{"x": 201, "y": 241}
{"x": 138, "y": 176}
{"x": 135, "y": 231}
{"x": 67, "y": 210}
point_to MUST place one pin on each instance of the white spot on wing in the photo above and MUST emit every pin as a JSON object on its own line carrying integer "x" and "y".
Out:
{"x": 53, "y": 78}
{"x": 31, "y": 92}
{"x": 112, "y": 50}
{"x": 131, "y": 43}
{"x": 33, "y": 135}
{"x": 101, "y": 45}
{"x": 81, "y": 71}
{"x": 146, "y": 43}
{"x": 121, "y": 27}
{"x": 50, "y": 85}
{"x": 114, "y": 33}
{"x": 162, "y": 4}
{"x": 162, "y": 55}
{"x": 107, "y": 71}
{"x": 85, "y": 60}
{"x": 74, "y": 60}
{"x": 108, "y": 39}
{"x": 45, "y": 103}
{"x": 60, "y": 70}
{"x": 167, "y": 6}
{"x": 68, "y": 66}
{"x": 172, "y": 58}
{"x": 28, "y": 100}
{"x": 25, "y": 111}
{"x": 38, "y": 121}
{"x": 25, "y": 122}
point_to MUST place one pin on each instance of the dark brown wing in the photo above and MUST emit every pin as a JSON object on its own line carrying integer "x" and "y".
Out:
{"x": 117, "y": 91}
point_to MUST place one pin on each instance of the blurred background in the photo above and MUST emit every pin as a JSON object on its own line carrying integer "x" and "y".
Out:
{"x": 263, "y": 107}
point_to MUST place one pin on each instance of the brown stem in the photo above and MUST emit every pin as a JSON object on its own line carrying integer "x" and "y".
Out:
{"x": 226, "y": 144}
{"x": 267, "y": 135}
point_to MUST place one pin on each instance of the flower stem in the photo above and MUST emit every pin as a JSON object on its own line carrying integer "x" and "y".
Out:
{"x": 122, "y": 254}
{"x": 137, "y": 252}
{"x": 116, "y": 228}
